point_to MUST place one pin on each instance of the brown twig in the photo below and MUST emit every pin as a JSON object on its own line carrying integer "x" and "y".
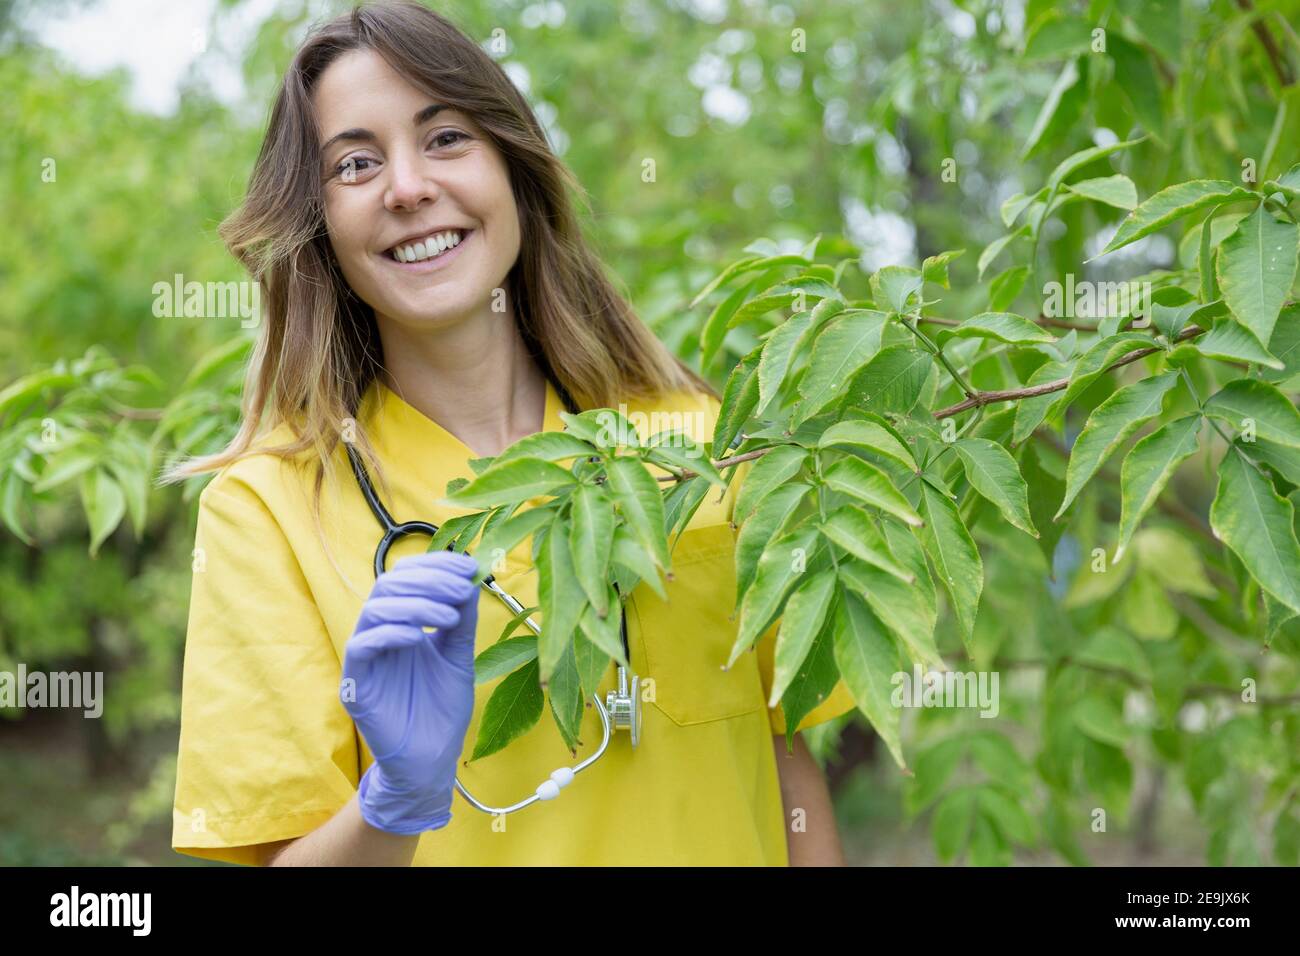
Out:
{"x": 1280, "y": 66}
{"x": 1056, "y": 384}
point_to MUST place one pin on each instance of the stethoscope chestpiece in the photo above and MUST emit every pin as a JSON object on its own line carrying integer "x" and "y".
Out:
{"x": 624, "y": 705}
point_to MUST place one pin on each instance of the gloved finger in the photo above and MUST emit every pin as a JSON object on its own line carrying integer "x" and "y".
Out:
{"x": 452, "y": 561}
{"x": 366, "y": 645}
{"x": 419, "y": 610}
{"x": 427, "y": 582}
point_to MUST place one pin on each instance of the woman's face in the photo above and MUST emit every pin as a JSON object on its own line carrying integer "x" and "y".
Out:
{"x": 400, "y": 174}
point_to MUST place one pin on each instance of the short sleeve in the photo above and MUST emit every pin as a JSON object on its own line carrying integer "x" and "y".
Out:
{"x": 839, "y": 701}
{"x": 267, "y": 751}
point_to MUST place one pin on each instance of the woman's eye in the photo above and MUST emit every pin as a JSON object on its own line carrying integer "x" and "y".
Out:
{"x": 457, "y": 134}
{"x": 350, "y": 167}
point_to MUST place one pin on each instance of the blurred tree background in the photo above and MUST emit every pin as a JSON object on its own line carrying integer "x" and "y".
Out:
{"x": 893, "y": 131}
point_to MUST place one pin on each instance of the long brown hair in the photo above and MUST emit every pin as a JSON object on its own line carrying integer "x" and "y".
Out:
{"x": 318, "y": 348}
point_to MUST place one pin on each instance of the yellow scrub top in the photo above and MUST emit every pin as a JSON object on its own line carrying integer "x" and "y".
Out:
{"x": 268, "y": 753}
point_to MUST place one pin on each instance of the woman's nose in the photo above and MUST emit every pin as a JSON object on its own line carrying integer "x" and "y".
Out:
{"x": 410, "y": 183}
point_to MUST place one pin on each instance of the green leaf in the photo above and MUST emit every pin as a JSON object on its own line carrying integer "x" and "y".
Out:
{"x": 993, "y": 473}
{"x": 65, "y": 467}
{"x": 805, "y": 613}
{"x": 716, "y": 325}
{"x": 499, "y": 540}
{"x": 1285, "y": 344}
{"x": 1054, "y": 36}
{"x": 1094, "y": 363}
{"x": 561, "y": 596}
{"x": 548, "y": 446}
{"x": 811, "y": 685}
{"x": 1031, "y": 411}
{"x": 1003, "y": 327}
{"x": 1233, "y": 342}
{"x": 1148, "y": 468}
{"x": 1045, "y": 493}
{"x": 933, "y": 768}
{"x": 1245, "y": 399}
{"x": 935, "y": 268}
{"x": 895, "y": 604}
{"x": 1171, "y": 559}
{"x": 591, "y": 662}
{"x": 739, "y": 399}
{"x": 1111, "y": 648}
{"x": 605, "y": 633}
{"x": 1013, "y": 206}
{"x": 768, "y": 521}
{"x": 838, "y": 354}
{"x": 779, "y": 568}
{"x": 753, "y": 264}
{"x": 868, "y": 484}
{"x": 1101, "y": 720}
{"x": 514, "y": 707}
{"x": 591, "y": 542}
{"x": 642, "y": 505}
{"x": 1135, "y": 76}
{"x": 954, "y": 818}
{"x": 504, "y": 656}
{"x": 1005, "y": 287}
{"x": 892, "y": 381}
{"x": 9, "y": 504}
{"x": 955, "y": 557}
{"x": 895, "y": 285}
{"x": 1007, "y": 815}
{"x": 1117, "y": 191}
{"x": 1173, "y": 203}
{"x": 850, "y": 527}
{"x": 775, "y": 468}
{"x": 997, "y": 757}
{"x": 871, "y": 434}
{"x": 1109, "y": 425}
{"x": 1084, "y": 157}
{"x": 868, "y": 660}
{"x": 104, "y": 503}
{"x": 780, "y": 349}
{"x": 511, "y": 483}
{"x": 1062, "y": 99}
{"x": 565, "y": 692}
{"x": 995, "y": 247}
{"x": 1256, "y": 267}
{"x": 629, "y": 553}
{"x": 677, "y": 448}
{"x": 1205, "y": 259}
{"x": 1257, "y": 523}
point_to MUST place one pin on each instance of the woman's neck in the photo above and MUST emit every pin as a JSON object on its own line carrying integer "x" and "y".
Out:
{"x": 476, "y": 379}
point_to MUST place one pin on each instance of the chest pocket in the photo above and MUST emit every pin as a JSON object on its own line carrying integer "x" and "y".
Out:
{"x": 688, "y": 638}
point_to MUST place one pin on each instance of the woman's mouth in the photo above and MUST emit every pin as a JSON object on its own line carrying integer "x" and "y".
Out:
{"x": 432, "y": 251}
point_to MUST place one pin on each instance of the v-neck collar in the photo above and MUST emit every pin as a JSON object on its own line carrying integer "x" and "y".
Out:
{"x": 405, "y": 436}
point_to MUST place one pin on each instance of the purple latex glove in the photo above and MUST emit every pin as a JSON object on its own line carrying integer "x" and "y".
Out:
{"x": 412, "y": 692}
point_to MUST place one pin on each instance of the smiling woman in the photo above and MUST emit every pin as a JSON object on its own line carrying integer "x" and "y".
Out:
{"x": 431, "y": 299}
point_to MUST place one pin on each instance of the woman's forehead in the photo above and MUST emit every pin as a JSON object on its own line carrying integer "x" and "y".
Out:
{"x": 362, "y": 88}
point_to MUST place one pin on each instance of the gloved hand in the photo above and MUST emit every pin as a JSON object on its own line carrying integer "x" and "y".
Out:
{"x": 412, "y": 692}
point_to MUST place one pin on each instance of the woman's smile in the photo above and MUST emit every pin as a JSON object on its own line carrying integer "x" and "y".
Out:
{"x": 427, "y": 257}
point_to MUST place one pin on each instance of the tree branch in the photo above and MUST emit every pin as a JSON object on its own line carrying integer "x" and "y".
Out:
{"x": 1280, "y": 66}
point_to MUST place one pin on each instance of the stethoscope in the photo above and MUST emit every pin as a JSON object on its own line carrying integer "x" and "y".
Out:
{"x": 622, "y": 706}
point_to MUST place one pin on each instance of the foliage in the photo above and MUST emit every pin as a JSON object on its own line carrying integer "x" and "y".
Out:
{"x": 981, "y": 469}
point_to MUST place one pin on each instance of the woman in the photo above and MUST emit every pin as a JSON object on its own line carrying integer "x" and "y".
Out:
{"x": 431, "y": 300}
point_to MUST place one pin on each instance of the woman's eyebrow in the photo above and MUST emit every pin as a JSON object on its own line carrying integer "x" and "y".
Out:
{"x": 366, "y": 136}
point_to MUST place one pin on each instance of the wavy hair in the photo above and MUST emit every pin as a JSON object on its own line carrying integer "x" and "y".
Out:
{"x": 318, "y": 348}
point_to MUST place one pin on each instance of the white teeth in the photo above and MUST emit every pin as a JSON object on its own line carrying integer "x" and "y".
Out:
{"x": 427, "y": 248}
